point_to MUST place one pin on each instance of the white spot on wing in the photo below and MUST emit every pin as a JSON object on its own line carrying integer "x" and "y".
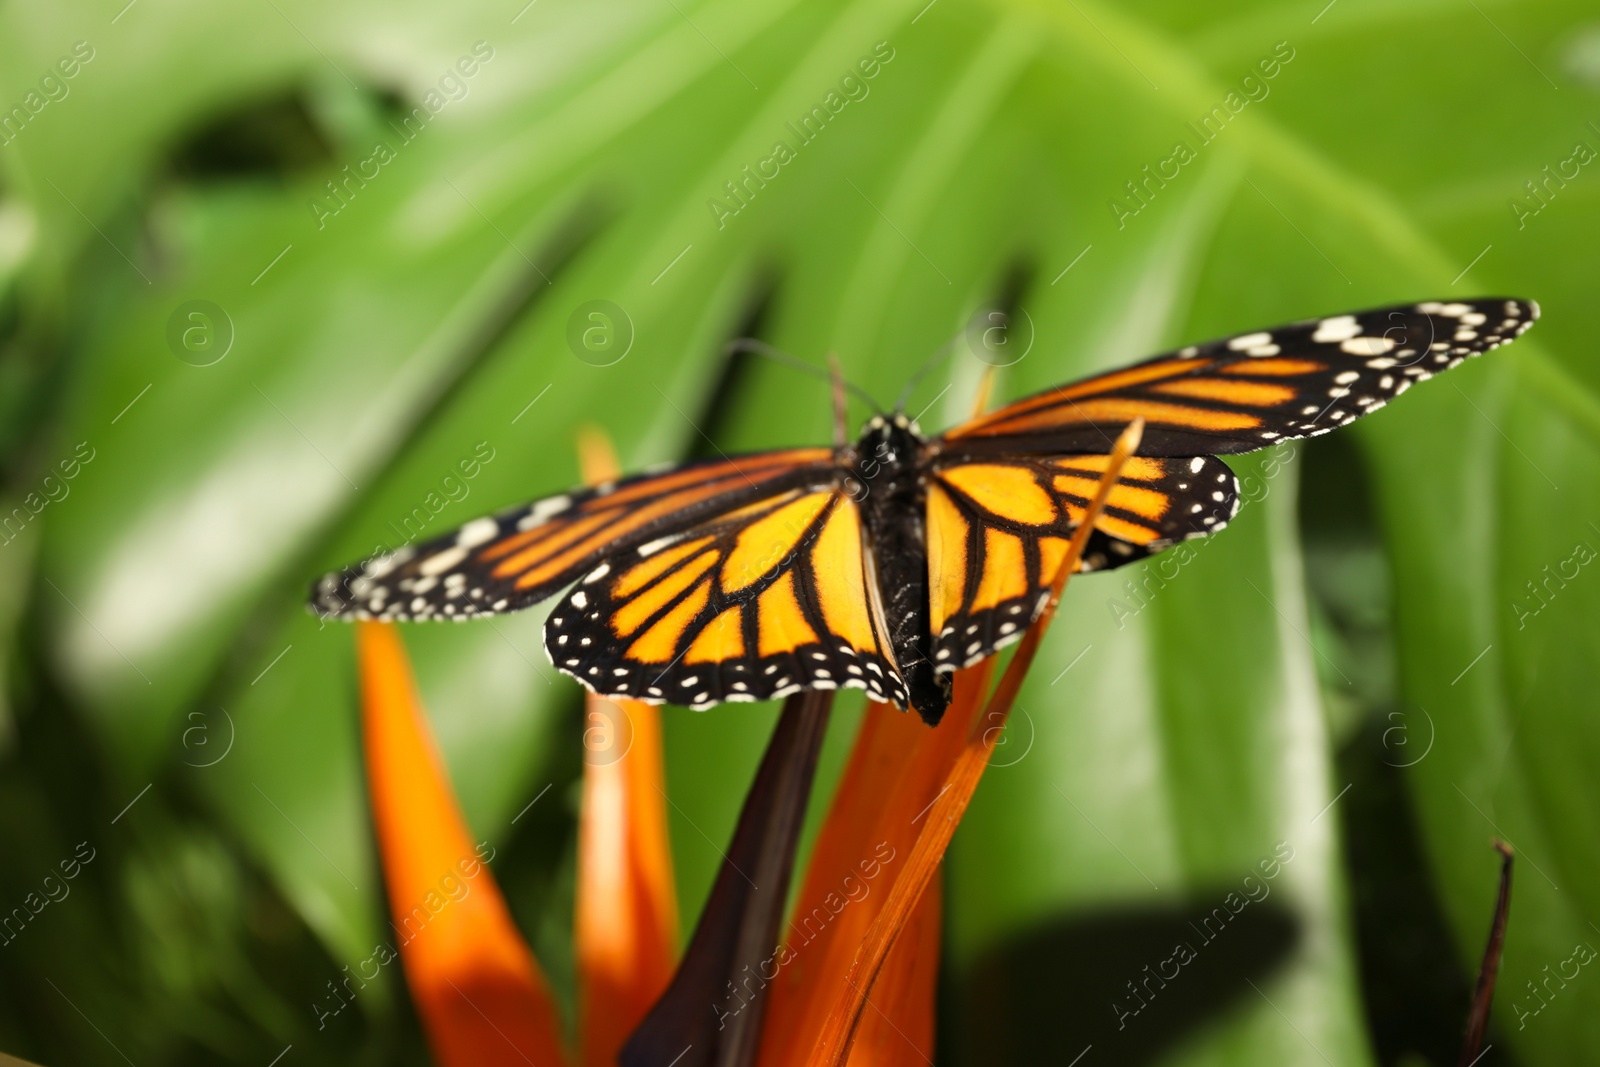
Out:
{"x": 1338, "y": 328}
{"x": 384, "y": 564}
{"x": 541, "y": 512}
{"x": 477, "y": 532}
{"x": 440, "y": 562}
{"x": 652, "y": 547}
{"x": 1367, "y": 346}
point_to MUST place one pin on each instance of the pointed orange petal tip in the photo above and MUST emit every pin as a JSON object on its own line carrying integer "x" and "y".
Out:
{"x": 597, "y": 456}
{"x": 476, "y": 985}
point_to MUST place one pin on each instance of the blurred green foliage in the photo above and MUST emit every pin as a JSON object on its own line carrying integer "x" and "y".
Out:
{"x": 394, "y": 250}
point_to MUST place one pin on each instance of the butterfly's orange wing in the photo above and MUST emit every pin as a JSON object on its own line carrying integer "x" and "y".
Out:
{"x": 998, "y": 529}
{"x": 751, "y": 605}
{"x": 1242, "y": 393}
{"x": 519, "y": 557}
{"x": 741, "y": 579}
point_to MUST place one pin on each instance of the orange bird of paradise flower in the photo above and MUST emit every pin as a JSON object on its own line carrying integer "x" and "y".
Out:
{"x": 854, "y": 984}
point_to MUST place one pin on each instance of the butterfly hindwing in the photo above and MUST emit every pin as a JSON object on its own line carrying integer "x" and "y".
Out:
{"x": 998, "y": 529}
{"x": 752, "y": 605}
{"x": 1242, "y": 393}
{"x": 519, "y": 557}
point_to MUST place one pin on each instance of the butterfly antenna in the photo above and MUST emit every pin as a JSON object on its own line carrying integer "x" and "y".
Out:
{"x": 933, "y": 360}
{"x": 761, "y": 348}
{"x": 840, "y": 402}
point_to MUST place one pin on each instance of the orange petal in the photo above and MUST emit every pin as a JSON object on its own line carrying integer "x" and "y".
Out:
{"x": 896, "y": 768}
{"x": 627, "y": 922}
{"x": 897, "y": 1028}
{"x": 476, "y": 986}
{"x": 833, "y": 1045}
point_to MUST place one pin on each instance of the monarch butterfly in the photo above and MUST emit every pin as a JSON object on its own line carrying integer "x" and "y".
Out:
{"x": 891, "y": 562}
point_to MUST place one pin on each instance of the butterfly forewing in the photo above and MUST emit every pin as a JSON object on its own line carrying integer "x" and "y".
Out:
{"x": 1246, "y": 392}
{"x": 998, "y": 530}
{"x": 522, "y": 556}
{"x": 750, "y": 606}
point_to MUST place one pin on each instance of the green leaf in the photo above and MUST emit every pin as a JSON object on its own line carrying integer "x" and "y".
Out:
{"x": 402, "y": 361}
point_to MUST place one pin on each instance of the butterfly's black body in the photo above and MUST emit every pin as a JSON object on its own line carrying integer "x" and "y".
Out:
{"x": 890, "y": 564}
{"x": 888, "y": 480}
